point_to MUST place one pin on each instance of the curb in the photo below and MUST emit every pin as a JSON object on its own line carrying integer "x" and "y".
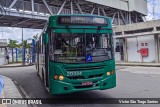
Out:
{"x": 15, "y": 66}
{"x": 10, "y": 90}
{"x": 2, "y": 96}
{"x": 138, "y": 65}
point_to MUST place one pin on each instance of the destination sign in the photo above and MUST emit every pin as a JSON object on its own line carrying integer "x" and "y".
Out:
{"x": 81, "y": 20}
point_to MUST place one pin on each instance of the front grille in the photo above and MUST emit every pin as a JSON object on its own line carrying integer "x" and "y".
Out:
{"x": 84, "y": 68}
{"x": 82, "y": 77}
{"x": 95, "y": 76}
{"x": 76, "y": 77}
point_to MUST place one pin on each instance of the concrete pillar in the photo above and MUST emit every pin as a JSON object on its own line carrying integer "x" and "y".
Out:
{"x": 125, "y": 50}
{"x": 156, "y": 48}
{"x": 130, "y": 20}
{"x": 154, "y": 29}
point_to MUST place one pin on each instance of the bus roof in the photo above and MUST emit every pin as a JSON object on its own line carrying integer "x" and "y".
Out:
{"x": 80, "y": 15}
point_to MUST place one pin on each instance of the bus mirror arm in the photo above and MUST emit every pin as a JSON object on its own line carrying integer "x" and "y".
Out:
{"x": 67, "y": 27}
{"x": 98, "y": 30}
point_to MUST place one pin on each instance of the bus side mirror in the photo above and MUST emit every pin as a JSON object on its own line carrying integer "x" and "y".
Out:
{"x": 45, "y": 38}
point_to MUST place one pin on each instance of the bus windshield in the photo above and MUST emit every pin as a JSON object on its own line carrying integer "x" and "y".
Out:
{"x": 80, "y": 48}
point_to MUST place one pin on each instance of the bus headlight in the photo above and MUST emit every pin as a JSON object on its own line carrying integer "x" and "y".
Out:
{"x": 61, "y": 77}
{"x": 108, "y": 73}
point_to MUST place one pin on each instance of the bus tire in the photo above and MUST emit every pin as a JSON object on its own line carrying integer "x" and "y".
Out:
{"x": 37, "y": 73}
{"x": 37, "y": 69}
{"x": 43, "y": 75}
{"x": 36, "y": 66}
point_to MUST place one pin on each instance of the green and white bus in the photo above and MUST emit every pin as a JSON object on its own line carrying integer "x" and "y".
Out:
{"x": 75, "y": 53}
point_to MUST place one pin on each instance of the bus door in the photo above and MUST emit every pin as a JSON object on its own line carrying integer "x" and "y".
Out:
{"x": 46, "y": 58}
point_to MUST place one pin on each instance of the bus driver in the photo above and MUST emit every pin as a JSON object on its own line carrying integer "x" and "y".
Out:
{"x": 59, "y": 42}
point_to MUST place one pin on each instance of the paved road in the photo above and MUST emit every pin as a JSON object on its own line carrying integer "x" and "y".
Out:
{"x": 132, "y": 82}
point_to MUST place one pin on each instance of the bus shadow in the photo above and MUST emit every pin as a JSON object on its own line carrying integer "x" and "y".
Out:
{"x": 84, "y": 94}
{"x": 96, "y": 98}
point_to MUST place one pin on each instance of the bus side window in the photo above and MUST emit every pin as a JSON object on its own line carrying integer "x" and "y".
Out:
{"x": 42, "y": 44}
{"x": 52, "y": 45}
{"x": 39, "y": 45}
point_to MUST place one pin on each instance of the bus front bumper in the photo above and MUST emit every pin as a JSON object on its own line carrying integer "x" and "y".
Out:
{"x": 61, "y": 87}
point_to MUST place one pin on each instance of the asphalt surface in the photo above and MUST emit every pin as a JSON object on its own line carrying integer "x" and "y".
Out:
{"x": 132, "y": 82}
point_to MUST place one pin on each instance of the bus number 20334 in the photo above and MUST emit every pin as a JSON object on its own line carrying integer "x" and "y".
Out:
{"x": 74, "y": 73}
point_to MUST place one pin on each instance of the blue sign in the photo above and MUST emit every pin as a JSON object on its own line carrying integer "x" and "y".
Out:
{"x": 89, "y": 58}
{"x": 1, "y": 85}
{"x": 33, "y": 51}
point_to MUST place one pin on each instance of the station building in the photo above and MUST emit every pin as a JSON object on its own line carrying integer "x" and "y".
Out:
{"x": 3, "y": 51}
{"x": 34, "y": 13}
{"x": 133, "y": 42}
{"x": 138, "y": 42}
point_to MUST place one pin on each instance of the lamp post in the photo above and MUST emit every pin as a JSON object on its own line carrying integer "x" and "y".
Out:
{"x": 23, "y": 51}
{"x": 2, "y": 32}
{"x": 128, "y": 15}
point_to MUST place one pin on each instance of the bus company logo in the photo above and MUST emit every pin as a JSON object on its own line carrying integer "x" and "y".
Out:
{"x": 20, "y": 101}
{"x": 6, "y": 101}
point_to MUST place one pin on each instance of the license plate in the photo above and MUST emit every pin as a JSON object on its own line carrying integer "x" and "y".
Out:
{"x": 86, "y": 83}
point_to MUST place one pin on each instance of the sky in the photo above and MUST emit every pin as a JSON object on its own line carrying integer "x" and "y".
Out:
{"x": 156, "y": 5}
{"x": 16, "y": 33}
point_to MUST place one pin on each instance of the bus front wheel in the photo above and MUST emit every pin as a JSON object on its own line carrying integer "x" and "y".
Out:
{"x": 43, "y": 76}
